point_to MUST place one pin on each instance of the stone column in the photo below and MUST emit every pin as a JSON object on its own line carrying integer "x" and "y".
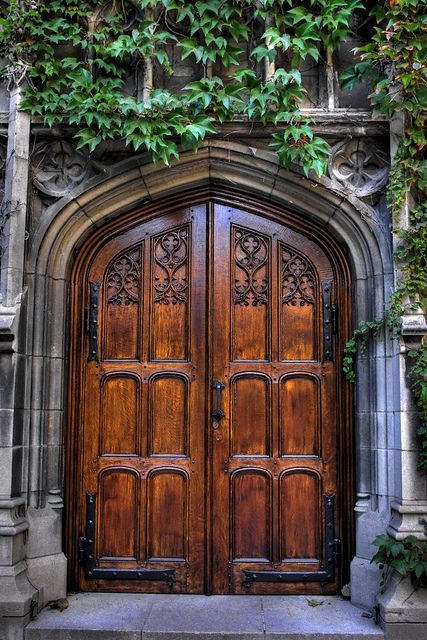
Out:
{"x": 18, "y": 597}
{"x": 403, "y": 610}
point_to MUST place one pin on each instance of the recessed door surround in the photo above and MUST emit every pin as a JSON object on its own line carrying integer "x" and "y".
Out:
{"x": 206, "y": 405}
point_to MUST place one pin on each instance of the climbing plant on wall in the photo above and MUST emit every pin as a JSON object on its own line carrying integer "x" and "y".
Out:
{"x": 76, "y": 57}
{"x": 394, "y": 62}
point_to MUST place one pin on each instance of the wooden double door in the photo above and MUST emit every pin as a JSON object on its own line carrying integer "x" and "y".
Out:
{"x": 208, "y": 408}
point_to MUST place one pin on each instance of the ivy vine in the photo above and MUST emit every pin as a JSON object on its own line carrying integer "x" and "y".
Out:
{"x": 394, "y": 62}
{"x": 76, "y": 57}
{"x": 408, "y": 557}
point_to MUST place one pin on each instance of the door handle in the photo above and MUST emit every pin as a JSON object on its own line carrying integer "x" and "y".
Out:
{"x": 217, "y": 413}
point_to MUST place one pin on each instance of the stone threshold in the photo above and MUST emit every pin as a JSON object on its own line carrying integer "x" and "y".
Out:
{"x": 114, "y": 616}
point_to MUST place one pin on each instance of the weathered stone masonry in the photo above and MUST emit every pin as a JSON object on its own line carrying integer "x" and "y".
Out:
{"x": 56, "y": 196}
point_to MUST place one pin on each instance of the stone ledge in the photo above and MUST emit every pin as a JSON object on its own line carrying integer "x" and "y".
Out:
{"x": 197, "y": 617}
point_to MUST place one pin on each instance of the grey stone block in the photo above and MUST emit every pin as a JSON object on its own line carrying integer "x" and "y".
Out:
{"x": 402, "y": 604}
{"x": 7, "y": 381}
{"x": 54, "y": 426}
{"x": 363, "y": 470}
{"x": 405, "y": 631}
{"x": 6, "y": 427}
{"x": 49, "y": 574}
{"x": 45, "y": 533}
{"x": 365, "y": 583}
{"x": 13, "y": 628}
{"x": 369, "y": 525}
{"x": 189, "y": 615}
{"x": 6, "y": 474}
{"x": 293, "y": 617}
{"x": 93, "y": 615}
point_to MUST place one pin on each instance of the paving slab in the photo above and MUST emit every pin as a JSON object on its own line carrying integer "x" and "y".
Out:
{"x": 185, "y": 617}
{"x": 92, "y": 616}
{"x": 326, "y": 618}
{"x": 110, "y": 616}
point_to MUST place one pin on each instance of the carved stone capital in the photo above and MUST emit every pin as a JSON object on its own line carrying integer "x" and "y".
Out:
{"x": 358, "y": 167}
{"x": 8, "y": 316}
{"x": 413, "y": 329}
{"x": 58, "y": 167}
{"x": 12, "y": 517}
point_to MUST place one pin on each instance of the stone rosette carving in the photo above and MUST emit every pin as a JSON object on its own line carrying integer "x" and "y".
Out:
{"x": 358, "y": 166}
{"x": 58, "y": 167}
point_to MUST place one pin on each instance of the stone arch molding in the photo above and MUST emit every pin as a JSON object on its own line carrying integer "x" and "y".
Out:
{"x": 137, "y": 181}
{"x": 66, "y": 225}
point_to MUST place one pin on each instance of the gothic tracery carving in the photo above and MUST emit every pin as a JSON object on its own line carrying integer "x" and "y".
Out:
{"x": 123, "y": 279}
{"x": 171, "y": 256}
{"x": 298, "y": 288}
{"x": 251, "y": 260}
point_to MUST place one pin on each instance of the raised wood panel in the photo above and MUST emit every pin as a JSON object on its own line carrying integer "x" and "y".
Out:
{"x": 169, "y": 413}
{"x": 171, "y": 295}
{"x": 118, "y": 514}
{"x": 120, "y": 415}
{"x": 297, "y": 333}
{"x": 122, "y": 306}
{"x": 251, "y": 493}
{"x": 167, "y": 515}
{"x": 298, "y": 306}
{"x": 250, "y": 288}
{"x": 299, "y": 415}
{"x": 250, "y": 415}
{"x": 300, "y": 515}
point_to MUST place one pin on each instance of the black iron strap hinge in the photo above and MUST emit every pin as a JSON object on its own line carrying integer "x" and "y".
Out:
{"x": 329, "y": 320}
{"x": 92, "y": 320}
{"x": 93, "y": 571}
{"x": 327, "y": 570}
{"x": 337, "y": 552}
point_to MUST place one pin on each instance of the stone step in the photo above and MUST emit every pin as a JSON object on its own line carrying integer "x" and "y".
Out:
{"x": 96, "y": 616}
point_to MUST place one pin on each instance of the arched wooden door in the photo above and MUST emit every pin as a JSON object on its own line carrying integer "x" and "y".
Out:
{"x": 208, "y": 408}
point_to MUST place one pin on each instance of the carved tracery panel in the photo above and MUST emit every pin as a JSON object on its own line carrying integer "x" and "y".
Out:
{"x": 298, "y": 285}
{"x": 170, "y": 254}
{"x": 251, "y": 277}
{"x": 123, "y": 279}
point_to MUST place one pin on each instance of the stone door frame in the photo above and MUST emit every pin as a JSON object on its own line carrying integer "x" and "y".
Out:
{"x": 384, "y": 433}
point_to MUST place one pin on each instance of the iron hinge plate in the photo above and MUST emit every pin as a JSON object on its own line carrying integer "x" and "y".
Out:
{"x": 327, "y": 570}
{"x": 94, "y": 572}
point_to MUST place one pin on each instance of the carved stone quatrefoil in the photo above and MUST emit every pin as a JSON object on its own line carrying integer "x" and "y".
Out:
{"x": 58, "y": 167}
{"x": 358, "y": 166}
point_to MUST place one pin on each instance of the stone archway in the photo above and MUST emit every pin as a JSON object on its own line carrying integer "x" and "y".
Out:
{"x": 67, "y": 224}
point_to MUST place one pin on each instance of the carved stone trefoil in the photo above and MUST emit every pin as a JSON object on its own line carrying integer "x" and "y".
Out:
{"x": 123, "y": 279}
{"x": 58, "y": 167}
{"x": 358, "y": 166}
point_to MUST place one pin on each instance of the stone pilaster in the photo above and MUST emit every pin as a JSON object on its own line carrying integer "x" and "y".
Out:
{"x": 18, "y": 597}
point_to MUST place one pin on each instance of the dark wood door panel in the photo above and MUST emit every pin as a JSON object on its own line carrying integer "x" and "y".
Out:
{"x": 171, "y": 498}
{"x": 275, "y": 449}
{"x": 144, "y": 462}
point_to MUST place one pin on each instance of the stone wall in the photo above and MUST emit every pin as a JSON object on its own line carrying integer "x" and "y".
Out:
{"x": 55, "y": 196}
